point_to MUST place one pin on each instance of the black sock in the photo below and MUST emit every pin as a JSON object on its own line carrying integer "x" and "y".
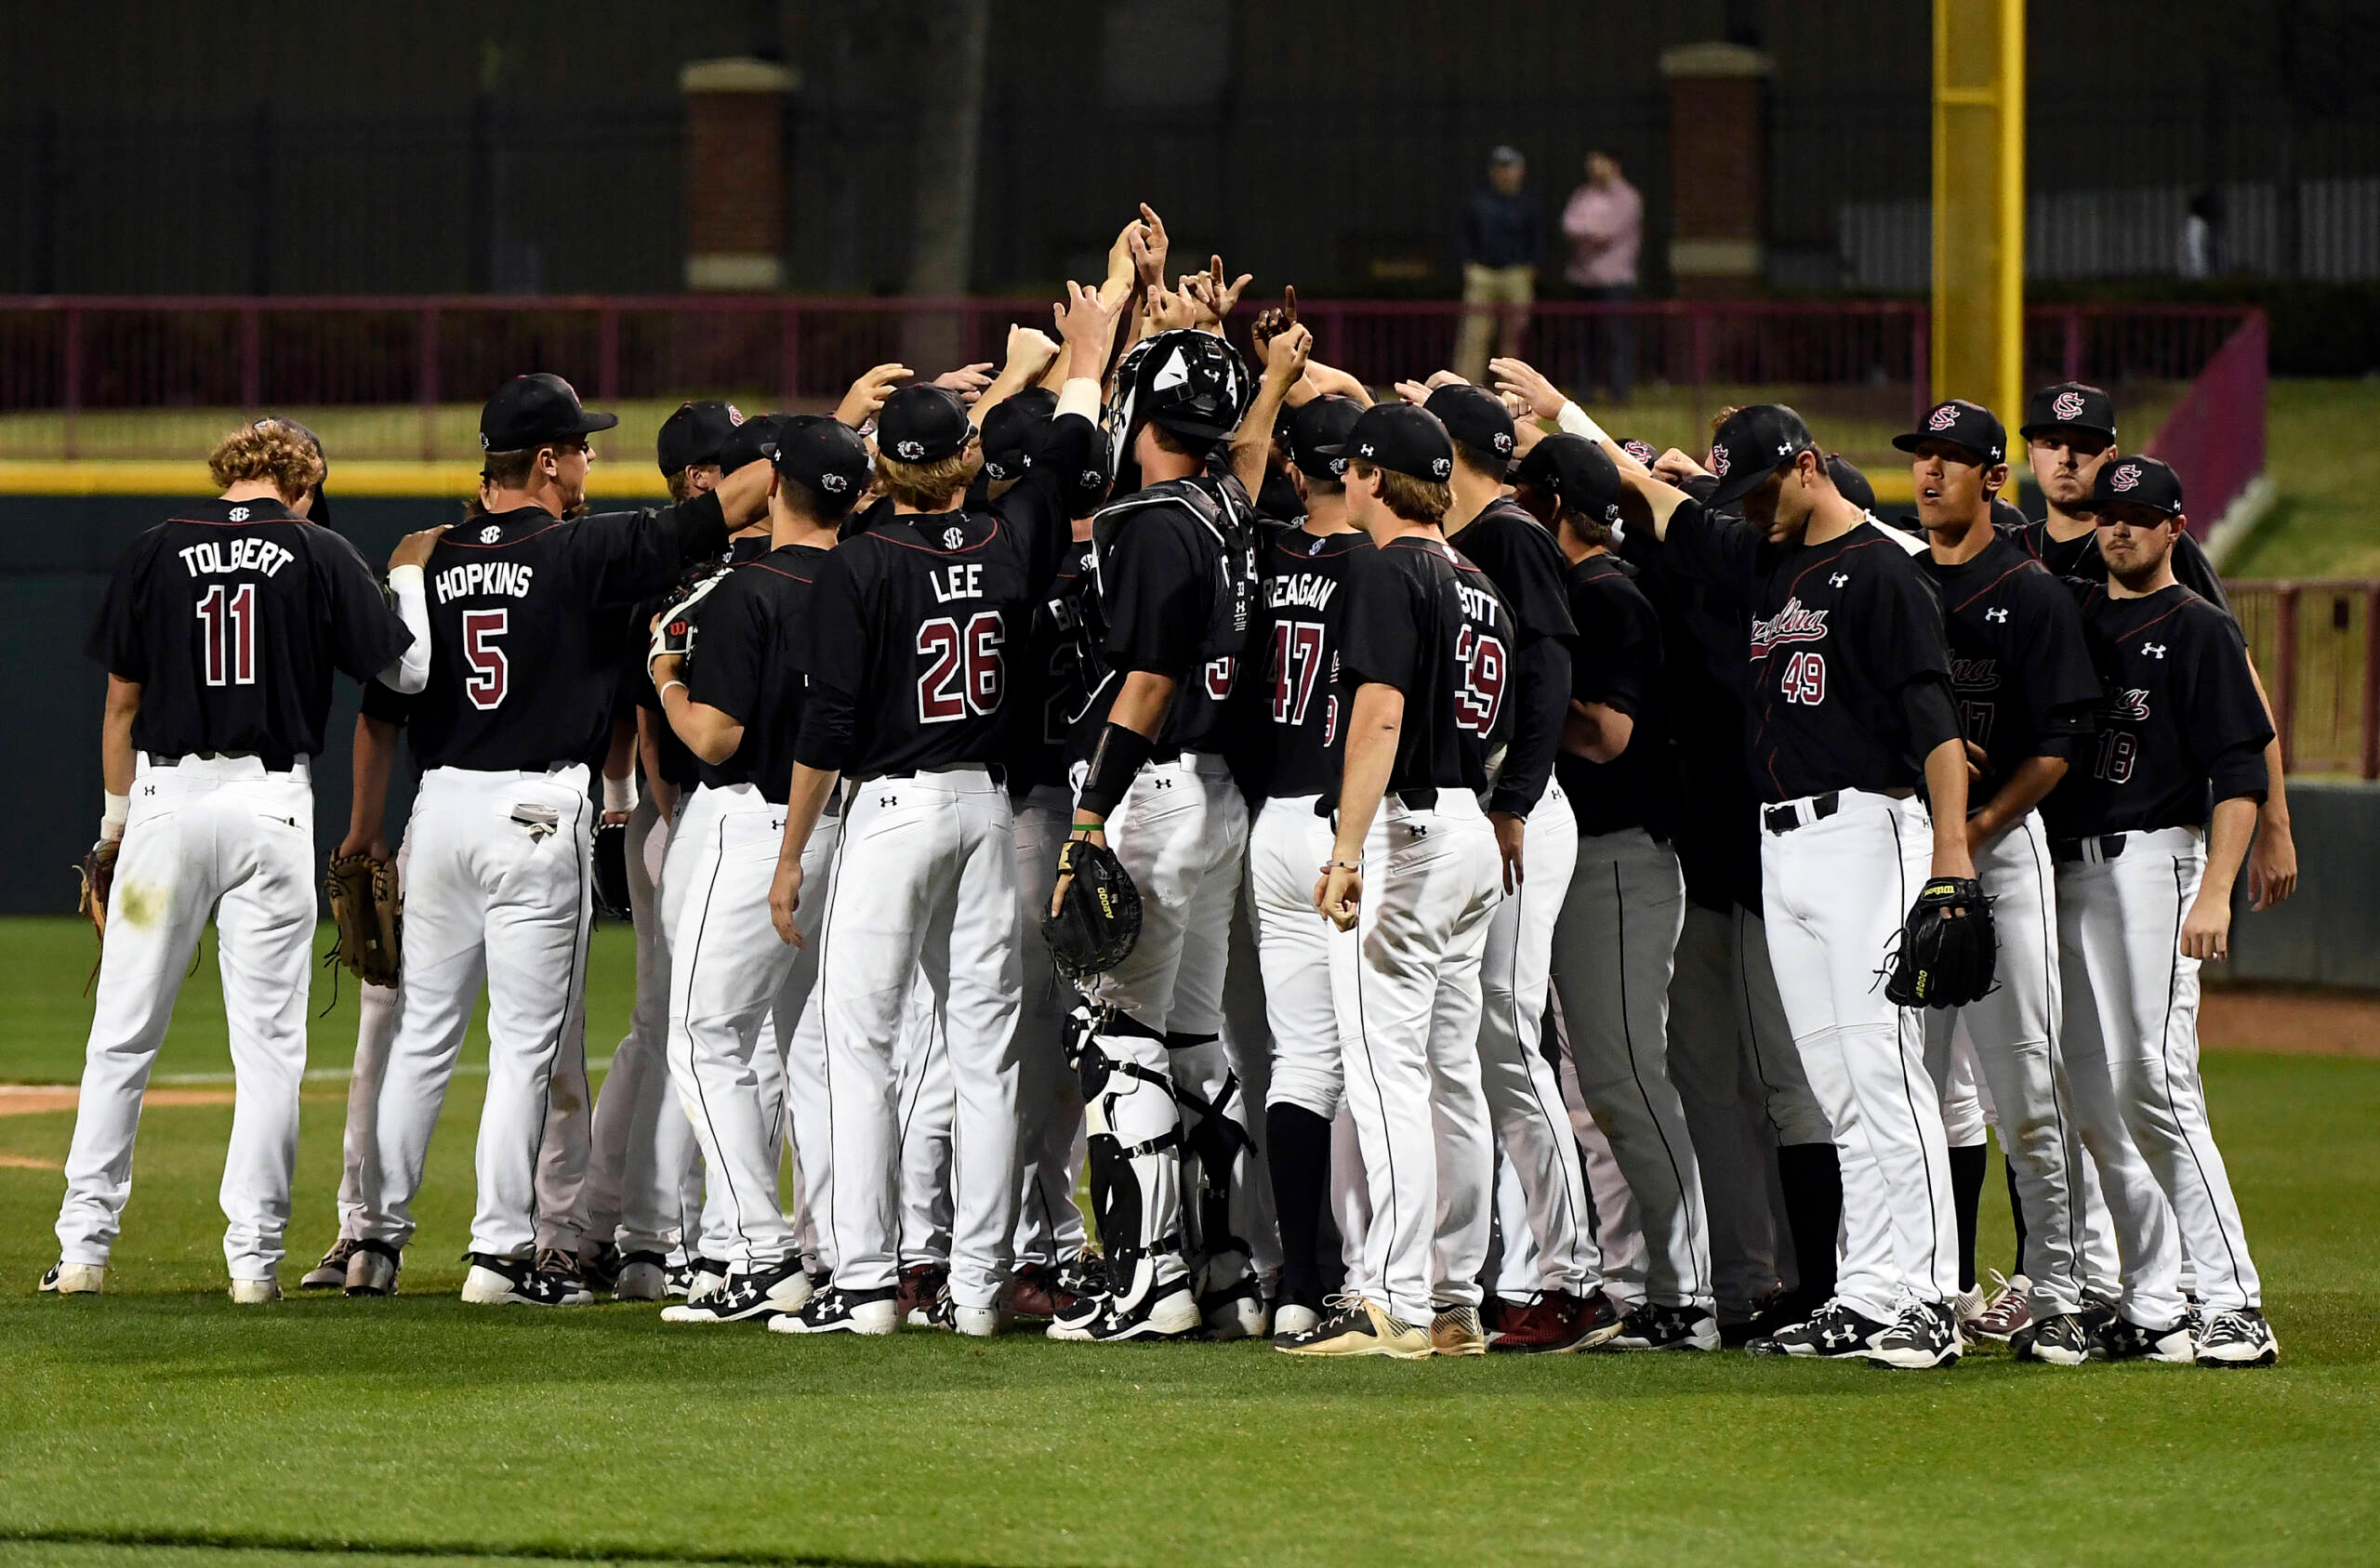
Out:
{"x": 1297, "y": 1147}
{"x": 1966, "y": 1193}
{"x": 2016, "y": 1214}
{"x": 1813, "y": 1183}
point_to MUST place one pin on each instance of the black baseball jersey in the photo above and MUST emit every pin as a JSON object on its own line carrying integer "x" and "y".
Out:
{"x": 1617, "y": 663}
{"x": 1062, "y": 680}
{"x": 1838, "y": 631}
{"x": 1296, "y": 714}
{"x": 2080, "y": 558}
{"x": 524, "y": 610}
{"x": 1526, "y": 565}
{"x": 1175, "y": 581}
{"x": 914, "y": 625}
{"x": 231, "y": 616}
{"x": 749, "y": 662}
{"x": 2018, "y": 668}
{"x": 2180, "y": 724}
{"x": 678, "y": 768}
{"x": 1420, "y": 617}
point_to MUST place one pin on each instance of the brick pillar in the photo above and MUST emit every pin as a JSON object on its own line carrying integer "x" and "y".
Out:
{"x": 1718, "y": 155}
{"x": 734, "y": 173}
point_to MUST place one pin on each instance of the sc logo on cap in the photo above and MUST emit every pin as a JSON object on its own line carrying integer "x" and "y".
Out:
{"x": 1442, "y": 467}
{"x": 910, "y": 449}
{"x": 1503, "y": 444}
{"x": 2066, "y": 405}
{"x": 834, "y": 483}
{"x": 1719, "y": 461}
{"x": 2125, "y": 478}
{"x": 1943, "y": 417}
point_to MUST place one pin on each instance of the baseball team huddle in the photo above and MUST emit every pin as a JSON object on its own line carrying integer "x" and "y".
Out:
{"x": 1460, "y": 882}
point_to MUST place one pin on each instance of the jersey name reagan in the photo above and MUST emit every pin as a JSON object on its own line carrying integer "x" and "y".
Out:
{"x": 508, "y": 577}
{"x": 1794, "y": 622}
{"x": 215, "y": 558}
{"x": 1300, "y": 590}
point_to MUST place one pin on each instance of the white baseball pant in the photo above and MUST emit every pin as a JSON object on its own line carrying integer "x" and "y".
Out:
{"x": 1716, "y": 1071}
{"x": 2013, "y": 1033}
{"x": 225, "y": 836}
{"x": 928, "y": 1107}
{"x": 1836, "y": 889}
{"x": 2121, "y": 916}
{"x": 1406, "y": 983}
{"x": 1286, "y": 845}
{"x": 497, "y": 891}
{"x": 1049, "y": 1226}
{"x": 926, "y": 876}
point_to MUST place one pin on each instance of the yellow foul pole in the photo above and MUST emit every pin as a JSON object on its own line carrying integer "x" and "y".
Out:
{"x": 1978, "y": 318}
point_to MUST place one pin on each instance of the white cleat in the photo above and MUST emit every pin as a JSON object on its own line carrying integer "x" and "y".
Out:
{"x": 1237, "y": 1313}
{"x": 981, "y": 1323}
{"x": 75, "y": 1279}
{"x": 372, "y": 1270}
{"x": 255, "y": 1293}
{"x": 1289, "y": 1320}
{"x": 641, "y": 1281}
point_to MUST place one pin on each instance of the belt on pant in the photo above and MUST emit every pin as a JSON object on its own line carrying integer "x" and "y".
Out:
{"x": 1786, "y": 818}
{"x": 2072, "y": 851}
{"x": 999, "y": 774}
{"x": 274, "y": 761}
{"x": 1418, "y": 799}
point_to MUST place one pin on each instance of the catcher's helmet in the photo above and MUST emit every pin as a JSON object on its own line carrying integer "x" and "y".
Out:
{"x": 1191, "y": 382}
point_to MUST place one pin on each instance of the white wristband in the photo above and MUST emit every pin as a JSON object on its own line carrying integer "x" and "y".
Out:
{"x": 112, "y": 815}
{"x": 664, "y": 692}
{"x": 1577, "y": 421}
{"x": 619, "y": 794}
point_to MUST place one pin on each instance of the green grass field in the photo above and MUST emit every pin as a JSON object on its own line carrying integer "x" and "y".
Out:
{"x": 158, "y": 1423}
{"x": 2325, "y": 520}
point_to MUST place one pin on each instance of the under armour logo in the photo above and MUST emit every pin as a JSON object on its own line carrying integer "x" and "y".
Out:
{"x": 1158, "y": 781}
{"x": 1365, "y": 450}
{"x": 1840, "y": 1333}
{"x": 1784, "y": 449}
{"x": 490, "y": 535}
{"x": 239, "y": 514}
{"x": 1418, "y": 830}
{"x": 2154, "y": 649}
{"x": 1999, "y": 615}
{"x": 882, "y": 801}
{"x": 1840, "y": 578}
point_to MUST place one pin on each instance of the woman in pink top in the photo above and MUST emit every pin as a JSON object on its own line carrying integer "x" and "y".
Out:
{"x": 1604, "y": 223}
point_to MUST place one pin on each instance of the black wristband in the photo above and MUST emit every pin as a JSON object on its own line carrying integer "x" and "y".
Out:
{"x": 1119, "y": 757}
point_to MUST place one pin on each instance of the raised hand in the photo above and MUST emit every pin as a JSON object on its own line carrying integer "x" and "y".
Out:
{"x": 1519, "y": 377}
{"x": 867, "y": 394}
{"x": 968, "y": 381}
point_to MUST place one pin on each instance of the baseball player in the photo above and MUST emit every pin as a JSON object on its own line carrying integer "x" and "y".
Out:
{"x": 1850, "y": 712}
{"x": 911, "y": 627}
{"x": 2025, "y": 693}
{"x": 219, "y": 630}
{"x": 1426, "y": 652}
{"x": 2149, "y": 837}
{"x": 1175, "y": 565}
{"x": 498, "y": 842}
{"x": 1292, "y": 763}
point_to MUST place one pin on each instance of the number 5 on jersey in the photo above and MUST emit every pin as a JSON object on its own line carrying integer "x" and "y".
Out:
{"x": 1806, "y": 679}
{"x": 490, "y": 674}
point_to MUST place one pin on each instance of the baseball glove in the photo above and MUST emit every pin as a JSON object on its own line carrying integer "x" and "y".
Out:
{"x": 673, "y": 630}
{"x": 97, "y": 870}
{"x": 612, "y": 870}
{"x": 1099, "y": 919}
{"x": 370, "y": 915}
{"x": 1948, "y": 947}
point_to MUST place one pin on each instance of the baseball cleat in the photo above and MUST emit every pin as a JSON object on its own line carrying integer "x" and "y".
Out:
{"x": 1083, "y": 1274}
{"x": 599, "y": 1265}
{"x": 746, "y": 1295}
{"x": 73, "y": 1279}
{"x": 1650, "y": 1327}
{"x": 372, "y": 1270}
{"x": 696, "y": 1276}
{"x": 1925, "y": 1336}
{"x": 2008, "y": 1310}
{"x": 255, "y": 1293}
{"x": 975, "y": 1322}
{"x": 562, "y": 1269}
{"x": 1833, "y": 1331}
{"x": 1558, "y": 1321}
{"x": 1236, "y": 1312}
{"x": 2240, "y": 1337}
{"x": 1169, "y": 1314}
{"x": 1780, "y": 1308}
{"x": 835, "y": 1310}
{"x": 920, "y": 1282}
{"x": 1358, "y": 1327}
{"x": 2122, "y": 1339}
{"x": 1456, "y": 1331}
{"x": 331, "y": 1273}
{"x": 518, "y": 1282}
{"x": 1292, "y": 1319}
{"x": 1035, "y": 1293}
{"x": 2055, "y": 1341}
{"x": 642, "y": 1277}
{"x": 1968, "y": 1304}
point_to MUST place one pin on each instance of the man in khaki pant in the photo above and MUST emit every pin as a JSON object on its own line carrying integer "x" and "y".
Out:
{"x": 1502, "y": 235}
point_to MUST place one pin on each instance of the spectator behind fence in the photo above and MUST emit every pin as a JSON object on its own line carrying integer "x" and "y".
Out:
{"x": 1604, "y": 223}
{"x": 1502, "y": 236}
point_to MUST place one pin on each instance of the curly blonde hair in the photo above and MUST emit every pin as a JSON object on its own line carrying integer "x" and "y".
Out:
{"x": 924, "y": 485}
{"x": 283, "y": 453}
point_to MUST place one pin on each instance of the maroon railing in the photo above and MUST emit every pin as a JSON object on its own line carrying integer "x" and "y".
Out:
{"x": 2214, "y": 438}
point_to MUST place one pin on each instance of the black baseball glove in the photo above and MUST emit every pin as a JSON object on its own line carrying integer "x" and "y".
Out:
{"x": 1099, "y": 917}
{"x": 1948, "y": 947}
{"x": 612, "y": 870}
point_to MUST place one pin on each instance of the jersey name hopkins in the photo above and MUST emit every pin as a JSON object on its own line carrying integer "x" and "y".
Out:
{"x": 510, "y": 578}
{"x": 1794, "y": 622}
{"x": 216, "y": 558}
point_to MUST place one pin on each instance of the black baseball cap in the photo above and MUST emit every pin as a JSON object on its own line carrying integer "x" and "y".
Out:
{"x": 922, "y": 425}
{"x": 695, "y": 434}
{"x": 822, "y": 454}
{"x": 1961, "y": 423}
{"x": 1089, "y": 490}
{"x": 1315, "y": 433}
{"x": 1577, "y": 472}
{"x": 1852, "y": 483}
{"x": 1400, "y": 438}
{"x": 1753, "y": 443}
{"x": 532, "y": 410}
{"x": 2070, "y": 405}
{"x": 1644, "y": 452}
{"x": 750, "y": 442}
{"x": 1015, "y": 430}
{"x": 1475, "y": 418}
{"x": 2136, "y": 482}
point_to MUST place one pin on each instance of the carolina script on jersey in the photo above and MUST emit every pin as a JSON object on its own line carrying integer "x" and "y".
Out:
{"x": 1300, "y": 590}
{"x": 510, "y": 578}
{"x": 1795, "y": 622}
{"x": 1974, "y": 675}
{"x": 217, "y": 558}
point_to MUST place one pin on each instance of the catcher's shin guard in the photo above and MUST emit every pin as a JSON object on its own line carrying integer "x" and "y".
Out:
{"x": 1136, "y": 1143}
{"x": 1213, "y": 1145}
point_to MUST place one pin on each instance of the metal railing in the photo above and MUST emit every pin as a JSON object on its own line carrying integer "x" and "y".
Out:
{"x": 2317, "y": 644}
